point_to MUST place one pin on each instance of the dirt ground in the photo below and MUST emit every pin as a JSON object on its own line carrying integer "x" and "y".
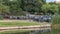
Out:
{"x": 16, "y": 21}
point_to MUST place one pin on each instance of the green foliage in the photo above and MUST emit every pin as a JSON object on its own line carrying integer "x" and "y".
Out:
{"x": 35, "y": 6}
{"x": 56, "y": 19}
{"x": 50, "y": 8}
{"x": 59, "y": 8}
{"x": 18, "y": 6}
{"x": 14, "y": 6}
{"x": 4, "y": 9}
{"x": 1, "y": 17}
{"x": 31, "y": 5}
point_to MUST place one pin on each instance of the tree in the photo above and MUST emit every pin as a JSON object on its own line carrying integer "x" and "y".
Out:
{"x": 4, "y": 9}
{"x": 58, "y": 8}
{"x": 18, "y": 6}
{"x": 48, "y": 8}
{"x": 32, "y": 5}
{"x": 14, "y": 6}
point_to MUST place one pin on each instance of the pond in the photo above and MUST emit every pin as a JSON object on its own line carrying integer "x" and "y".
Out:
{"x": 28, "y": 31}
{"x": 40, "y": 31}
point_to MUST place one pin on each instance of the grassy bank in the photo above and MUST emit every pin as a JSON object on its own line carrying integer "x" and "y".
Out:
{"x": 2, "y": 24}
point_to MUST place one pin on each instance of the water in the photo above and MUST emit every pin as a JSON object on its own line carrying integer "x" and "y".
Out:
{"x": 39, "y": 31}
{"x": 30, "y": 32}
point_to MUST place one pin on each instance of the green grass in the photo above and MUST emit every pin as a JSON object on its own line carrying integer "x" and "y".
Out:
{"x": 55, "y": 19}
{"x": 7, "y": 24}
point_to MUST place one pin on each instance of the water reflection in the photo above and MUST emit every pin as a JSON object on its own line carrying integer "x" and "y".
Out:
{"x": 40, "y": 31}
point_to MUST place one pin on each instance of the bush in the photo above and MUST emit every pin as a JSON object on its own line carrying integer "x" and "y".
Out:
{"x": 1, "y": 17}
{"x": 56, "y": 19}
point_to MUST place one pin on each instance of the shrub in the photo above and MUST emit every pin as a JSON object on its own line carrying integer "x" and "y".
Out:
{"x": 1, "y": 17}
{"x": 56, "y": 19}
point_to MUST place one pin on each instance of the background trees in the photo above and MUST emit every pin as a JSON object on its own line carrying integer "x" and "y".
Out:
{"x": 59, "y": 8}
{"x": 32, "y": 5}
{"x": 4, "y": 9}
{"x": 14, "y": 6}
{"x": 50, "y": 8}
{"x": 17, "y": 7}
